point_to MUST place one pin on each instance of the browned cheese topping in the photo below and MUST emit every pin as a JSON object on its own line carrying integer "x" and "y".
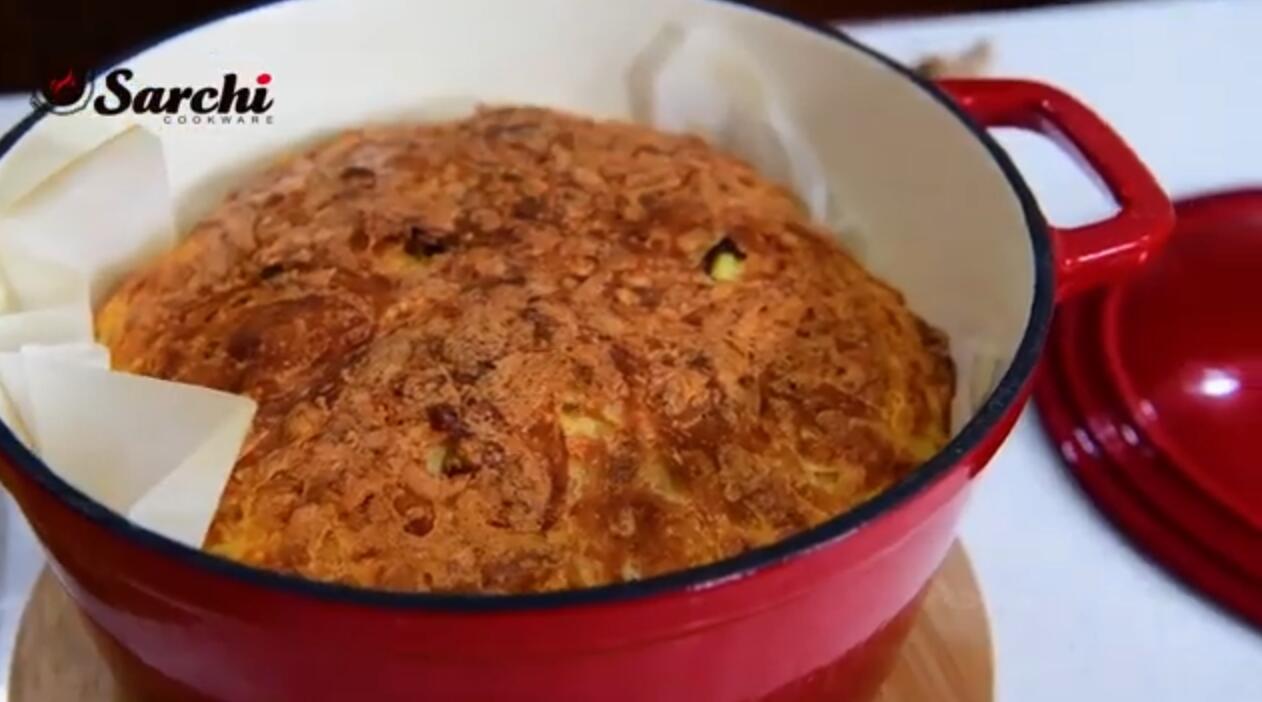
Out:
{"x": 529, "y": 351}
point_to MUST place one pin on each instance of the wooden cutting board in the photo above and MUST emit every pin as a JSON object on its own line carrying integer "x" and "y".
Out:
{"x": 947, "y": 657}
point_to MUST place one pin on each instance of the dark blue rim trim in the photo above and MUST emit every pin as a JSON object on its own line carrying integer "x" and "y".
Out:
{"x": 977, "y": 428}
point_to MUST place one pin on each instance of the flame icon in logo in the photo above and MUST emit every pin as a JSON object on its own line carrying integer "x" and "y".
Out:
{"x": 65, "y": 87}
{"x": 65, "y": 93}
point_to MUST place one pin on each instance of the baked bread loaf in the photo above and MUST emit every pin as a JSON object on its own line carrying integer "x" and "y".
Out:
{"x": 529, "y": 351}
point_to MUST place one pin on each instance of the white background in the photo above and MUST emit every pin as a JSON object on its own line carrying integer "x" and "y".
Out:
{"x": 1077, "y": 615}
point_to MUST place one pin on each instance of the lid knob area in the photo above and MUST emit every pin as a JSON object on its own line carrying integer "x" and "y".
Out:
{"x": 1184, "y": 344}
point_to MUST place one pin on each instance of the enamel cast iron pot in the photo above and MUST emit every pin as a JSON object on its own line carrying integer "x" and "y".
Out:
{"x": 944, "y": 217}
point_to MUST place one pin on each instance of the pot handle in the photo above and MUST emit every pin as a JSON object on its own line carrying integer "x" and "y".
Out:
{"x": 1097, "y": 253}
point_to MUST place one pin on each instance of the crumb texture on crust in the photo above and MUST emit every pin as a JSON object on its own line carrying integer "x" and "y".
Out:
{"x": 528, "y": 351}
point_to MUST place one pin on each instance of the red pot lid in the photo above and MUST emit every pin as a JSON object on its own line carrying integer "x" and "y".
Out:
{"x": 1147, "y": 527}
{"x": 1153, "y": 392}
{"x": 1084, "y": 383}
{"x": 1184, "y": 343}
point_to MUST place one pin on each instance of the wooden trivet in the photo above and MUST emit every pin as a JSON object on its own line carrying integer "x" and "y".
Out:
{"x": 947, "y": 657}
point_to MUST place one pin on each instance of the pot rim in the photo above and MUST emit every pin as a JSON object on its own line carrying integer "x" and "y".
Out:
{"x": 979, "y": 426}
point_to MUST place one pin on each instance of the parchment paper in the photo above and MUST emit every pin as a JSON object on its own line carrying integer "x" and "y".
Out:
{"x": 156, "y": 451}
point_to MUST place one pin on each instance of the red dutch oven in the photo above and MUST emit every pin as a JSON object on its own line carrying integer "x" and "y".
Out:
{"x": 945, "y": 217}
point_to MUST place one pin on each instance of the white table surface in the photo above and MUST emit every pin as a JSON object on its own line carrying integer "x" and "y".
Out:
{"x": 1077, "y": 614}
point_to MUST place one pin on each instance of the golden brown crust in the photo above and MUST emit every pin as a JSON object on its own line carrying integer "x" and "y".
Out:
{"x": 489, "y": 357}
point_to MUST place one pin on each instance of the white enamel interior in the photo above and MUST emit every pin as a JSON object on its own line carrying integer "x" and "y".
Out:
{"x": 930, "y": 210}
